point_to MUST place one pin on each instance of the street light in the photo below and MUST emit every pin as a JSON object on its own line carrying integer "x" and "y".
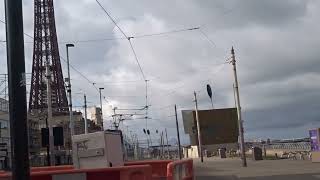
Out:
{"x": 101, "y": 107}
{"x": 69, "y": 91}
{"x": 209, "y": 90}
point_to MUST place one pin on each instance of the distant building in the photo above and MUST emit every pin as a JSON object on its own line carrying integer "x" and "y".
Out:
{"x": 5, "y": 147}
{"x": 36, "y": 123}
{"x": 96, "y": 116}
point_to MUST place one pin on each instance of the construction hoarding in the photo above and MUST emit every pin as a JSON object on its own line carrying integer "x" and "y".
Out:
{"x": 218, "y": 126}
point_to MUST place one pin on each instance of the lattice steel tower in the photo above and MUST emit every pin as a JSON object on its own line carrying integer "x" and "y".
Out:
{"x": 46, "y": 50}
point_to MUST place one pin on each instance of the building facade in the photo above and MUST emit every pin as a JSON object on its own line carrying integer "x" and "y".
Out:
{"x": 5, "y": 144}
{"x": 96, "y": 116}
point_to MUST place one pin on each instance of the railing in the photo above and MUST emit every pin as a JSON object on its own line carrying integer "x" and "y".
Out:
{"x": 300, "y": 146}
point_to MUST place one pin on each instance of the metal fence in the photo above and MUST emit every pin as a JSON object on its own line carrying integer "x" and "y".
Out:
{"x": 299, "y": 146}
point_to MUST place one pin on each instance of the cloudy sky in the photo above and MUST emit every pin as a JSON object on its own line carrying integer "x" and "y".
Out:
{"x": 277, "y": 50}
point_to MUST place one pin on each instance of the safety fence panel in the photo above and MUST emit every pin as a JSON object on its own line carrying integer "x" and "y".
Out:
{"x": 138, "y": 172}
{"x": 180, "y": 170}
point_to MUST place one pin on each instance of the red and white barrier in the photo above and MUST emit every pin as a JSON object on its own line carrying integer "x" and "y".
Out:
{"x": 180, "y": 170}
{"x": 139, "y": 172}
{"x": 159, "y": 167}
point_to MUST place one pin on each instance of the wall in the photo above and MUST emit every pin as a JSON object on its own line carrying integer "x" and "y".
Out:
{"x": 192, "y": 152}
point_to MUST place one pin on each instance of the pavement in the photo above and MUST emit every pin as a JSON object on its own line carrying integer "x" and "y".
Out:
{"x": 231, "y": 169}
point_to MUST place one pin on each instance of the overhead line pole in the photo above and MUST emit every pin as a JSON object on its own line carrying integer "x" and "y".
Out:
{"x": 100, "y": 89}
{"x": 198, "y": 127}
{"x": 147, "y": 107}
{"x": 17, "y": 90}
{"x": 85, "y": 115}
{"x": 69, "y": 91}
{"x": 168, "y": 153}
{"x": 240, "y": 122}
{"x": 50, "y": 120}
{"x": 178, "y": 134}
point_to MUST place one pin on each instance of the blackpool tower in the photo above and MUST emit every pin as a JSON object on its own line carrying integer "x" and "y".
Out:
{"x": 45, "y": 51}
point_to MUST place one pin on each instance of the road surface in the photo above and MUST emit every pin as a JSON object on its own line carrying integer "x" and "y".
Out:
{"x": 230, "y": 169}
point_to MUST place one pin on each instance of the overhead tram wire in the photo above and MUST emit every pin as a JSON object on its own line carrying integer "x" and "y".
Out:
{"x": 125, "y": 35}
{"x": 120, "y": 38}
{"x": 207, "y": 37}
{"x": 90, "y": 82}
{"x": 60, "y": 57}
{"x": 165, "y": 33}
{"x": 133, "y": 50}
{"x": 131, "y": 37}
{"x": 110, "y": 17}
{"x": 2, "y": 21}
{"x": 137, "y": 60}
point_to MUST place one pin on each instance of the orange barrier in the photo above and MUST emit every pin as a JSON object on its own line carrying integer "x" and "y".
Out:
{"x": 42, "y": 169}
{"x": 159, "y": 167}
{"x": 180, "y": 170}
{"x": 51, "y": 168}
{"x": 138, "y": 172}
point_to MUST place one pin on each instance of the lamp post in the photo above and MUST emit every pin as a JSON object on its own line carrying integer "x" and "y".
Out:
{"x": 69, "y": 91}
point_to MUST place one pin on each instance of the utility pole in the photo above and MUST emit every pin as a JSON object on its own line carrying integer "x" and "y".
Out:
{"x": 17, "y": 90}
{"x": 48, "y": 148}
{"x": 198, "y": 127}
{"x": 85, "y": 115}
{"x": 69, "y": 91}
{"x": 5, "y": 87}
{"x": 162, "y": 144}
{"x": 178, "y": 134}
{"x": 50, "y": 120}
{"x": 234, "y": 96}
{"x": 168, "y": 153}
{"x": 100, "y": 89}
{"x": 147, "y": 106}
{"x": 236, "y": 88}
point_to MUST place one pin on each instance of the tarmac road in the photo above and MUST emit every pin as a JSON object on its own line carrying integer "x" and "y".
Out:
{"x": 230, "y": 169}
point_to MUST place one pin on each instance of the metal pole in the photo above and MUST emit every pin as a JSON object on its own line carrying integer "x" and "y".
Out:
{"x": 48, "y": 148}
{"x": 85, "y": 115}
{"x": 178, "y": 134}
{"x": 5, "y": 87}
{"x": 69, "y": 91}
{"x": 162, "y": 141}
{"x": 50, "y": 121}
{"x": 168, "y": 153}
{"x": 241, "y": 132}
{"x": 147, "y": 107}
{"x": 101, "y": 108}
{"x": 234, "y": 96}
{"x": 198, "y": 127}
{"x": 17, "y": 90}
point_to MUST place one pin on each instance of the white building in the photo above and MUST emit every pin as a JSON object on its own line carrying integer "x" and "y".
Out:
{"x": 95, "y": 115}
